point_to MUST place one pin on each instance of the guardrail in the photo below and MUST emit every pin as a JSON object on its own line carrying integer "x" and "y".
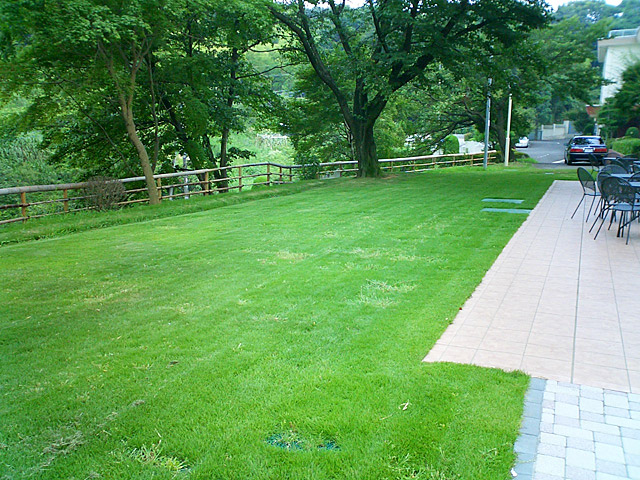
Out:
{"x": 56, "y": 199}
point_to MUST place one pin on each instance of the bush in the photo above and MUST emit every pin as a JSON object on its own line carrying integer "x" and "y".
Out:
{"x": 627, "y": 146}
{"x": 632, "y": 132}
{"x": 104, "y": 193}
{"x": 451, "y": 145}
{"x": 310, "y": 166}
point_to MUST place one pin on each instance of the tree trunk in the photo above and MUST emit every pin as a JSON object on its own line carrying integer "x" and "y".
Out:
{"x": 222, "y": 185}
{"x": 365, "y": 149}
{"x": 224, "y": 140}
{"x": 224, "y": 159}
{"x": 498, "y": 126}
{"x": 127, "y": 114}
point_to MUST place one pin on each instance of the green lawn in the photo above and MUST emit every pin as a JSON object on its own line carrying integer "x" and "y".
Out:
{"x": 197, "y": 346}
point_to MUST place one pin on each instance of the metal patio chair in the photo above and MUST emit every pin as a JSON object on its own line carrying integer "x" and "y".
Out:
{"x": 594, "y": 162}
{"x": 588, "y": 189}
{"x": 613, "y": 168}
{"x": 619, "y": 197}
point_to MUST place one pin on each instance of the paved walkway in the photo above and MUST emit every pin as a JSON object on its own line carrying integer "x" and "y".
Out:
{"x": 566, "y": 310}
{"x": 576, "y": 432}
{"x": 556, "y": 304}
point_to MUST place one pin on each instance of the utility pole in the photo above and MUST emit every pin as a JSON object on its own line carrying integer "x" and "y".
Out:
{"x": 487, "y": 123}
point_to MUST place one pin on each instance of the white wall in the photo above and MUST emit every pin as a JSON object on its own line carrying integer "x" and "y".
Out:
{"x": 618, "y": 54}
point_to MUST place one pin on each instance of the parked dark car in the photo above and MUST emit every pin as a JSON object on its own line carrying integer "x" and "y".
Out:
{"x": 580, "y": 147}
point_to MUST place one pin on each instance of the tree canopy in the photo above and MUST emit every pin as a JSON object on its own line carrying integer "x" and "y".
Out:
{"x": 365, "y": 55}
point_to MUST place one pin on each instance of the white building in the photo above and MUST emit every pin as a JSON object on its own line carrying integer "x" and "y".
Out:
{"x": 617, "y": 52}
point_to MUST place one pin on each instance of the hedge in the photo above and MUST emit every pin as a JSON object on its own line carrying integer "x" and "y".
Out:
{"x": 627, "y": 146}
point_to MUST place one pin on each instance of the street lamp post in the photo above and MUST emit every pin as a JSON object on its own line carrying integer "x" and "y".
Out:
{"x": 487, "y": 123}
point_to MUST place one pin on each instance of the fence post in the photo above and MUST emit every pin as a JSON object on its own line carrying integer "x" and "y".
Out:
{"x": 269, "y": 174}
{"x": 290, "y": 174}
{"x": 159, "y": 184}
{"x": 65, "y": 202}
{"x": 23, "y": 204}
{"x": 239, "y": 179}
{"x": 281, "y": 180}
{"x": 207, "y": 184}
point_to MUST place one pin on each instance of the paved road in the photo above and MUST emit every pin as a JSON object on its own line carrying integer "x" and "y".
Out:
{"x": 549, "y": 153}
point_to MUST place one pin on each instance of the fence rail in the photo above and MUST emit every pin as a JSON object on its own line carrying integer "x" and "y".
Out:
{"x": 56, "y": 199}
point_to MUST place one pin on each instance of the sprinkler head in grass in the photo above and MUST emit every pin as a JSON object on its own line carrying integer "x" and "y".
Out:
{"x": 293, "y": 441}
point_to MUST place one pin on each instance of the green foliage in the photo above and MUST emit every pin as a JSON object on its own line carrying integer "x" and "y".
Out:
{"x": 627, "y": 146}
{"x": 632, "y": 132}
{"x": 310, "y": 166}
{"x": 621, "y": 112}
{"x": 182, "y": 62}
{"x": 568, "y": 78}
{"x": 451, "y": 145}
{"x": 589, "y": 12}
{"x": 363, "y": 60}
{"x": 582, "y": 122}
{"x": 260, "y": 182}
{"x": 23, "y": 162}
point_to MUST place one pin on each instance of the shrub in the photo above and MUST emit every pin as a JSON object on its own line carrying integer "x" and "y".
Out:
{"x": 632, "y": 132}
{"x": 451, "y": 145}
{"x": 104, "y": 193}
{"x": 627, "y": 146}
{"x": 310, "y": 166}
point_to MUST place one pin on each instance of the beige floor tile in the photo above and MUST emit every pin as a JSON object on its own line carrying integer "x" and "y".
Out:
{"x": 552, "y": 352}
{"x": 509, "y": 323}
{"x": 633, "y": 363}
{"x": 458, "y": 354}
{"x": 435, "y": 353}
{"x": 477, "y": 321}
{"x": 465, "y": 341}
{"x": 597, "y": 374}
{"x": 550, "y": 340}
{"x": 605, "y": 333}
{"x": 502, "y": 360}
{"x": 587, "y": 345}
{"x": 595, "y": 358}
{"x": 507, "y": 335}
{"x": 557, "y": 307}
{"x": 556, "y": 301}
{"x": 634, "y": 379}
{"x": 546, "y": 368}
{"x": 502, "y": 345}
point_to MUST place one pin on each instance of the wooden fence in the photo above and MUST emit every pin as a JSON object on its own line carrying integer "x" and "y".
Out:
{"x": 48, "y": 200}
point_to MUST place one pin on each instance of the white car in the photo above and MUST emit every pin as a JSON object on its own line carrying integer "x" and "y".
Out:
{"x": 523, "y": 142}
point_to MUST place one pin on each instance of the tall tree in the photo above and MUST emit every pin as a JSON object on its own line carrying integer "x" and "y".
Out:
{"x": 367, "y": 54}
{"x": 90, "y": 45}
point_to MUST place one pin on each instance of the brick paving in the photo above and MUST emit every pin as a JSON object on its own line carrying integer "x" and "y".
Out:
{"x": 577, "y": 432}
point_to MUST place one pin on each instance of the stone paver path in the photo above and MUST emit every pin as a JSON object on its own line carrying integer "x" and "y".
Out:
{"x": 556, "y": 304}
{"x": 576, "y": 432}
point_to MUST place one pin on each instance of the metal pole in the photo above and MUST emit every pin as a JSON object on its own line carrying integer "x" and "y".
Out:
{"x": 487, "y": 123}
{"x": 507, "y": 143}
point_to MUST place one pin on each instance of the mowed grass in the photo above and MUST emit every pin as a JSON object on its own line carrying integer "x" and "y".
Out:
{"x": 280, "y": 338}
